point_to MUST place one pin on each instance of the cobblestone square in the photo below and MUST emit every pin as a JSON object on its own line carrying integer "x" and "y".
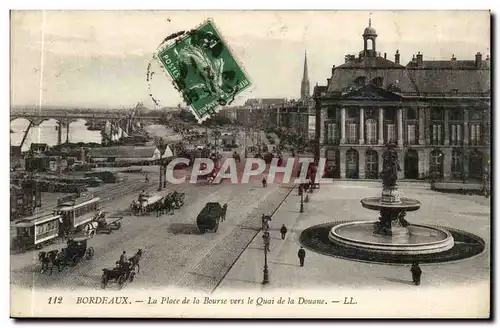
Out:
{"x": 340, "y": 201}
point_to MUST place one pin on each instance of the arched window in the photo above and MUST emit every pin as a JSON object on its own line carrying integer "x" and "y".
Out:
{"x": 456, "y": 164}
{"x": 371, "y": 131}
{"x": 378, "y": 81}
{"x": 436, "y": 165}
{"x": 369, "y": 44}
{"x": 476, "y": 165}
{"x": 352, "y": 164}
{"x": 411, "y": 164}
{"x": 371, "y": 168}
{"x": 360, "y": 80}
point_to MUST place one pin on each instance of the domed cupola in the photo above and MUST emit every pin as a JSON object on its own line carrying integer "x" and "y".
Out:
{"x": 370, "y": 31}
{"x": 370, "y": 36}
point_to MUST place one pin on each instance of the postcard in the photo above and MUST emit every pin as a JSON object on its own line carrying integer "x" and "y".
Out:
{"x": 250, "y": 164}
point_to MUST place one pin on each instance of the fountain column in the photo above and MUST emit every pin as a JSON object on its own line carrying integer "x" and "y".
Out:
{"x": 392, "y": 211}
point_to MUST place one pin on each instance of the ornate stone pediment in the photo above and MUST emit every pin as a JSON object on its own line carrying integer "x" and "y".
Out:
{"x": 370, "y": 92}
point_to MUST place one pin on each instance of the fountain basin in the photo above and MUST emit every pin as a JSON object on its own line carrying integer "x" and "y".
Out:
{"x": 419, "y": 240}
{"x": 376, "y": 203}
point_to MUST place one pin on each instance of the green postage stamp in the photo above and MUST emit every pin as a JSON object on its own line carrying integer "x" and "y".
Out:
{"x": 204, "y": 70}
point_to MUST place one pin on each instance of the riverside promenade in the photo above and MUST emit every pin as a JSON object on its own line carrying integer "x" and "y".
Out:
{"x": 340, "y": 201}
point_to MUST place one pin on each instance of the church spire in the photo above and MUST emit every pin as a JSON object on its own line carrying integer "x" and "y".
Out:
{"x": 304, "y": 88}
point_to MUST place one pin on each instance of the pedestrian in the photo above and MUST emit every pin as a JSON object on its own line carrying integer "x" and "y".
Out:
{"x": 302, "y": 255}
{"x": 123, "y": 258}
{"x": 283, "y": 231}
{"x": 147, "y": 178}
{"x": 416, "y": 273}
{"x": 264, "y": 182}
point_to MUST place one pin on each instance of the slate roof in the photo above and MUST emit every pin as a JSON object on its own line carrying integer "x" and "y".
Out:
{"x": 432, "y": 77}
{"x": 123, "y": 152}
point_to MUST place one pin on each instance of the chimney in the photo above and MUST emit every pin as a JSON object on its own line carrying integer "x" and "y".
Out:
{"x": 333, "y": 69}
{"x": 453, "y": 58}
{"x": 420, "y": 59}
{"x": 413, "y": 58}
{"x": 328, "y": 81}
{"x": 385, "y": 55}
{"x": 479, "y": 59}
{"x": 396, "y": 57}
{"x": 347, "y": 58}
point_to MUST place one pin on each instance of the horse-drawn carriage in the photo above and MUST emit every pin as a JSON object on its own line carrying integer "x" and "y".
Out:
{"x": 158, "y": 203}
{"x": 145, "y": 203}
{"x": 210, "y": 216}
{"x": 122, "y": 271}
{"x": 76, "y": 250}
{"x": 119, "y": 274}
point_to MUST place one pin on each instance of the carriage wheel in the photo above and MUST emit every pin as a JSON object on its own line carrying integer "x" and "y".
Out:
{"x": 89, "y": 253}
{"x": 104, "y": 281}
{"x": 76, "y": 260}
{"x": 121, "y": 281}
{"x": 132, "y": 276}
{"x": 216, "y": 227}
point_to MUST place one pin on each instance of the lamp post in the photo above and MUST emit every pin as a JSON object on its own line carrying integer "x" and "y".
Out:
{"x": 159, "y": 144}
{"x": 301, "y": 193}
{"x": 266, "y": 237}
{"x": 165, "y": 176}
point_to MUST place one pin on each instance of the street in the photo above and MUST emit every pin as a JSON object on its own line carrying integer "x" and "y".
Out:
{"x": 173, "y": 250}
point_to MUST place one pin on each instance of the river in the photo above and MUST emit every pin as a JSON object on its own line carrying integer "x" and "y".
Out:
{"x": 46, "y": 133}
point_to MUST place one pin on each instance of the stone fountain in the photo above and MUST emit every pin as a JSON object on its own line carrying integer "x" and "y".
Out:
{"x": 392, "y": 233}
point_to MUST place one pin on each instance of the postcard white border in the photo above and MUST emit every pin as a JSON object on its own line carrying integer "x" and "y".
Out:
{"x": 144, "y": 4}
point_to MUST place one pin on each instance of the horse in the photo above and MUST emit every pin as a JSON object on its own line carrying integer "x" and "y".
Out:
{"x": 134, "y": 260}
{"x": 135, "y": 208}
{"x": 167, "y": 206}
{"x": 158, "y": 206}
{"x": 90, "y": 228}
{"x": 47, "y": 258}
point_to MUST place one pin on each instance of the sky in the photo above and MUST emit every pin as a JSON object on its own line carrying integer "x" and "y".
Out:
{"x": 99, "y": 59}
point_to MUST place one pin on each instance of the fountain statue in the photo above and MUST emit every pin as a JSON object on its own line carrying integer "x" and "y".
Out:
{"x": 391, "y": 217}
{"x": 391, "y": 234}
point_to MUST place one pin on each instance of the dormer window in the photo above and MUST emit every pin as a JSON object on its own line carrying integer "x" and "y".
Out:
{"x": 360, "y": 81}
{"x": 393, "y": 88}
{"x": 378, "y": 81}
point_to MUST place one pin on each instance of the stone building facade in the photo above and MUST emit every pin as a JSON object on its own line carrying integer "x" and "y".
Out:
{"x": 437, "y": 112}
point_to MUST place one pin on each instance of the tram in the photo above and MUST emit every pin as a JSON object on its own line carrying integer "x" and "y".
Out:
{"x": 37, "y": 231}
{"x": 76, "y": 215}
